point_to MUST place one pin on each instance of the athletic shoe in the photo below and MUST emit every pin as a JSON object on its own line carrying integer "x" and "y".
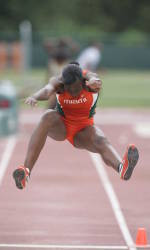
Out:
{"x": 21, "y": 176}
{"x": 129, "y": 162}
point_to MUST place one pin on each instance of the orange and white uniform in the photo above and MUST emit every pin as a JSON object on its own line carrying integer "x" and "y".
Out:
{"x": 76, "y": 112}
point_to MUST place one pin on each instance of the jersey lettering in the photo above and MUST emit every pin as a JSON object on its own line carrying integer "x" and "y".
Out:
{"x": 77, "y": 109}
{"x": 76, "y": 101}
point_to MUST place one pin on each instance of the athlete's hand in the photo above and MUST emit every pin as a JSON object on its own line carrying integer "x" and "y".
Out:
{"x": 31, "y": 101}
{"x": 94, "y": 84}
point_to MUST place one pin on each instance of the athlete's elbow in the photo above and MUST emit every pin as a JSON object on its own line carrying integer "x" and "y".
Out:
{"x": 47, "y": 93}
{"x": 53, "y": 78}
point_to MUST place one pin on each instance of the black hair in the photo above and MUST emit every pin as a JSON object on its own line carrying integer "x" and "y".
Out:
{"x": 71, "y": 73}
{"x": 75, "y": 63}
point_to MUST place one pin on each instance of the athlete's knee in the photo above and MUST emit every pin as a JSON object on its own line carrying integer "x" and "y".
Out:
{"x": 50, "y": 118}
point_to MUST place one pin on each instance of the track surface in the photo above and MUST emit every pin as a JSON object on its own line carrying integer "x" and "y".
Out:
{"x": 65, "y": 201}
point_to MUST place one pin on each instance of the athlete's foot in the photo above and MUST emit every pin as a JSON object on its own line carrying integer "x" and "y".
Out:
{"x": 129, "y": 162}
{"x": 21, "y": 176}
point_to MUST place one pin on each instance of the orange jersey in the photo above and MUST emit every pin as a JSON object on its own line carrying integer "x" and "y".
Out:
{"x": 76, "y": 112}
{"x": 77, "y": 109}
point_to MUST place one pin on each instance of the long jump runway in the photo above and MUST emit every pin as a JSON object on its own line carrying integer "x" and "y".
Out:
{"x": 74, "y": 201}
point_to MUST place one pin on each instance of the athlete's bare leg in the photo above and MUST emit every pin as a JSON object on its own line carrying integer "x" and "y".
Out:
{"x": 93, "y": 139}
{"x": 49, "y": 125}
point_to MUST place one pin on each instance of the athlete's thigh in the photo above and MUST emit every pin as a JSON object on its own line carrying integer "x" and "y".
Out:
{"x": 88, "y": 137}
{"x": 57, "y": 129}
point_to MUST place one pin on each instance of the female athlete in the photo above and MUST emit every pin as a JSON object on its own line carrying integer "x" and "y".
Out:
{"x": 77, "y": 93}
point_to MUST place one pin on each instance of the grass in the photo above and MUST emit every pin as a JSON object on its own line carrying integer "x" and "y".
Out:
{"x": 121, "y": 88}
{"x": 125, "y": 88}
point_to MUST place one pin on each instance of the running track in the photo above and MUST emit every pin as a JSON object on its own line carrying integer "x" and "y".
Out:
{"x": 73, "y": 201}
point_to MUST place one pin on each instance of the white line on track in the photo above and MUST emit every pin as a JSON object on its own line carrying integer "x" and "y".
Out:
{"x": 62, "y": 246}
{"x": 6, "y": 156}
{"x": 142, "y": 129}
{"x": 113, "y": 200}
{"x": 40, "y": 246}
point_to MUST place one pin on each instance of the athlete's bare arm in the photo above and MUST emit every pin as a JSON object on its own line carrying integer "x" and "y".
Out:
{"x": 45, "y": 92}
{"x": 90, "y": 74}
{"x": 93, "y": 81}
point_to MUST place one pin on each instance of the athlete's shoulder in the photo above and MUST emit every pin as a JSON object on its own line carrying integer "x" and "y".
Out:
{"x": 59, "y": 89}
{"x": 88, "y": 89}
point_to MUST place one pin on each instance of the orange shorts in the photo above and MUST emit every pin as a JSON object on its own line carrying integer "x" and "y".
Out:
{"x": 74, "y": 127}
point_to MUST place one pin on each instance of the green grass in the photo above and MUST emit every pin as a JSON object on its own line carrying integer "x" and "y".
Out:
{"x": 125, "y": 88}
{"x": 121, "y": 88}
{"x": 34, "y": 78}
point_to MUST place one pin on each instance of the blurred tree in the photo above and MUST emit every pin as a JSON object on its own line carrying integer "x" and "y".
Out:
{"x": 143, "y": 20}
{"x": 103, "y": 15}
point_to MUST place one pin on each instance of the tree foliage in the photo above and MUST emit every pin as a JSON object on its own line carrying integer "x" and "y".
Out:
{"x": 102, "y": 15}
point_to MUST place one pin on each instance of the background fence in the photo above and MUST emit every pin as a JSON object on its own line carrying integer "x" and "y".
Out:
{"x": 128, "y": 53}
